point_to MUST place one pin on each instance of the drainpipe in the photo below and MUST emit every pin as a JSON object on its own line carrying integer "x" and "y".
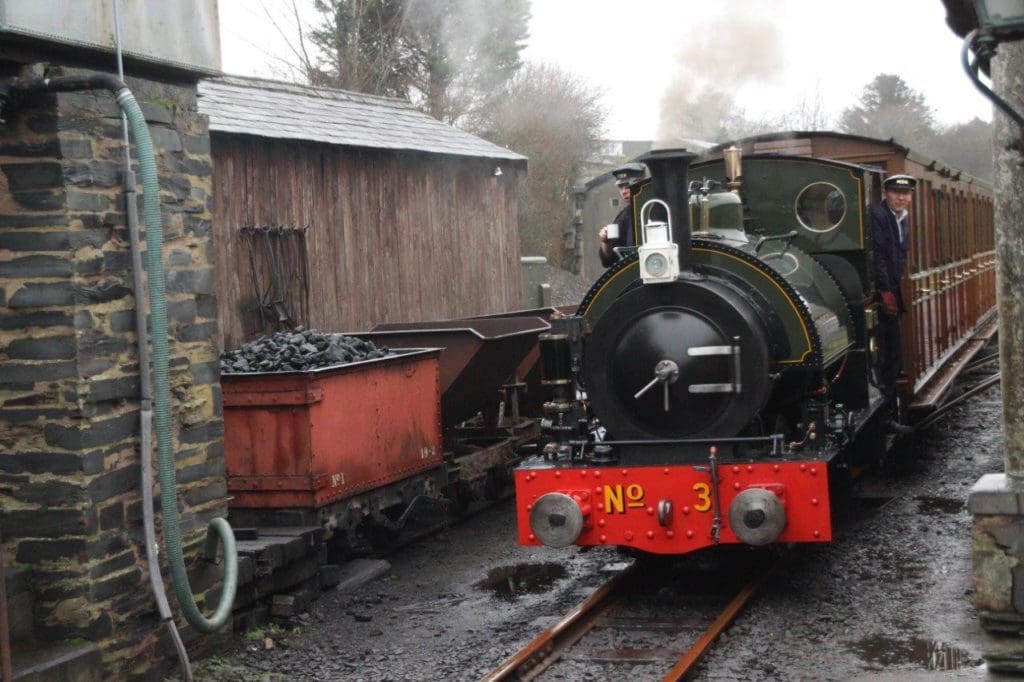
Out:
{"x": 219, "y": 529}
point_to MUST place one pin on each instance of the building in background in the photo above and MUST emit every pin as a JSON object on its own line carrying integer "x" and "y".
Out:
{"x": 341, "y": 211}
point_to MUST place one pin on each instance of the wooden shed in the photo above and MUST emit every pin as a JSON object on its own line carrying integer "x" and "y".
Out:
{"x": 339, "y": 211}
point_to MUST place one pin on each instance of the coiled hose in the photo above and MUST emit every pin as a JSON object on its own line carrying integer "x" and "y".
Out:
{"x": 219, "y": 529}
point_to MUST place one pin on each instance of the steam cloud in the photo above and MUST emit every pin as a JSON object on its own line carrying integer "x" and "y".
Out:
{"x": 716, "y": 58}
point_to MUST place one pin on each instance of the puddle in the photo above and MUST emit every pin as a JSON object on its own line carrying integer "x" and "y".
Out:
{"x": 511, "y": 582}
{"x": 927, "y": 654}
{"x": 934, "y": 506}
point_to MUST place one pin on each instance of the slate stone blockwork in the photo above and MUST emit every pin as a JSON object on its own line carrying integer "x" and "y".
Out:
{"x": 69, "y": 466}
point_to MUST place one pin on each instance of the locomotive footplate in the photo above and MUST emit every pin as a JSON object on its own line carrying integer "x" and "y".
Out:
{"x": 672, "y": 509}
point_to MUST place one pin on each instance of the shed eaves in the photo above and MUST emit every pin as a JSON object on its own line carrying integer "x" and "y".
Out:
{"x": 280, "y": 110}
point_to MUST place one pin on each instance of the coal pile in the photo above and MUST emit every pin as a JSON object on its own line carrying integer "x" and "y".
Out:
{"x": 299, "y": 350}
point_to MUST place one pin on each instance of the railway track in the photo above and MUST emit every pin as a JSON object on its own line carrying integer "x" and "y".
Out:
{"x": 653, "y": 618}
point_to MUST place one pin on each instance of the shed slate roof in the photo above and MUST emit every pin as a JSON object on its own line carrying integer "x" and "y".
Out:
{"x": 274, "y": 109}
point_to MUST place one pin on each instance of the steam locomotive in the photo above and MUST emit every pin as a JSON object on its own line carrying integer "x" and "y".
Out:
{"x": 715, "y": 377}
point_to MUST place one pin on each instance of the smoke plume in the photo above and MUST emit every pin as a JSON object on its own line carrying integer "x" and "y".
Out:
{"x": 716, "y": 58}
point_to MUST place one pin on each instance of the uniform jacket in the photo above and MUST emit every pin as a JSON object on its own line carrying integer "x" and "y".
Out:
{"x": 624, "y": 220}
{"x": 890, "y": 255}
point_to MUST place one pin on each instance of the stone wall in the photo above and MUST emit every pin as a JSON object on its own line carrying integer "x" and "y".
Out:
{"x": 69, "y": 378}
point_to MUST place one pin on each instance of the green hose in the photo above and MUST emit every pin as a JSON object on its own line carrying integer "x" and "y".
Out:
{"x": 218, "y": 527}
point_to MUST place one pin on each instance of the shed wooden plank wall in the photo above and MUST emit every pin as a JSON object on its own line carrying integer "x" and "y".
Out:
{"x": 392, "y": 237}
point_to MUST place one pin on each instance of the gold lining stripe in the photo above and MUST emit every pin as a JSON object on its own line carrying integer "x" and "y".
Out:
{"x": 613, "y": 278}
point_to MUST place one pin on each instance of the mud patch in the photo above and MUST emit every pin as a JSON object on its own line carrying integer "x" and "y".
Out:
{"x": 936, "y": 506}
{"x": 512, "y": 582}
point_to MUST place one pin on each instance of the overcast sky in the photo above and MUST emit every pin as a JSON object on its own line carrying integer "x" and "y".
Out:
{"x": 772, "y": 54}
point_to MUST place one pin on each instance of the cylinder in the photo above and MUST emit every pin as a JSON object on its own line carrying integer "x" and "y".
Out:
{"x": 555, "y": 357}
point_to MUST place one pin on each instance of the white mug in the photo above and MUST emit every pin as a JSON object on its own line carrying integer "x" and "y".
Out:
{"x": 611, "y": 231}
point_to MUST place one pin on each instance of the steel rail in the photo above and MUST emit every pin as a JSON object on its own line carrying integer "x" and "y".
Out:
{"x": 688, "y": 660}
{"x": 970, "y": 393}
{"x": 981, "y": 362}
{"x": 550, "y": 645}
{"x": 546, "y": 647}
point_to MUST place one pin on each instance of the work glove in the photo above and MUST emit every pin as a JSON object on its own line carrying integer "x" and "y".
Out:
{"x": 889, "y": 304}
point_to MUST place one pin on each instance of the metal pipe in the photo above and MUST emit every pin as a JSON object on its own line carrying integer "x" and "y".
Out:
{"x": 96, "y": 81}
{"x": 985, "y": 46}
{"x": 685, "y": 441}
{"x": 156, "y": 579}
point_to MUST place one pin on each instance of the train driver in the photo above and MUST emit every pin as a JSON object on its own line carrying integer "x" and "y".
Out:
{"x": 625, "y": 176}
{"x": 891, "y": 238}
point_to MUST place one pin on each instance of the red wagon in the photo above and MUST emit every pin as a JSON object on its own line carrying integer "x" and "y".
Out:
{"x": 306, "y": 439}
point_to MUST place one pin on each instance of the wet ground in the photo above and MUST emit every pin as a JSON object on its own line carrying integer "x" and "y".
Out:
{"x": 451, "y": 607}
{"x": 889, "y": 599}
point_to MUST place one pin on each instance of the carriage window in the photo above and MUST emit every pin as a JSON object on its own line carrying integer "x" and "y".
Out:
{"x": 820, "y": 207}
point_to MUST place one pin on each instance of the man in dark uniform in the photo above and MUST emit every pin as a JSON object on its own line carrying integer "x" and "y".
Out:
{"x": 891, "y": 241}
{"x": 625, "y": 176}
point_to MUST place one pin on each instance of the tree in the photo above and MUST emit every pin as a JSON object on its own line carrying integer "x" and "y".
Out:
{"x": 446, "y": 56}
{"x": 556, "y": 120}
{"x": 695, "y": 113}
{"x": 808, "y": 114}
{"x": 966, "y": 146}
{"x": 463, "y": 51}
{"x": 889, "y": 108}
{"x": 361, "y": 47}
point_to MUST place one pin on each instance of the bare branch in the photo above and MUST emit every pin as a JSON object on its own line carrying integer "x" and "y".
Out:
{"x": 307, "y": 63}
{"x": 305, "y": 66}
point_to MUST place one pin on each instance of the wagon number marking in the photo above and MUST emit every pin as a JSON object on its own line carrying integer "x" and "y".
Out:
{"x": 703, "y": 491}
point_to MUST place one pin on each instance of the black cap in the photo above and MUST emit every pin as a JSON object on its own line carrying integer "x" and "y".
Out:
{"x": 628, "y": 173}
{"x": 900, "y": 182}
